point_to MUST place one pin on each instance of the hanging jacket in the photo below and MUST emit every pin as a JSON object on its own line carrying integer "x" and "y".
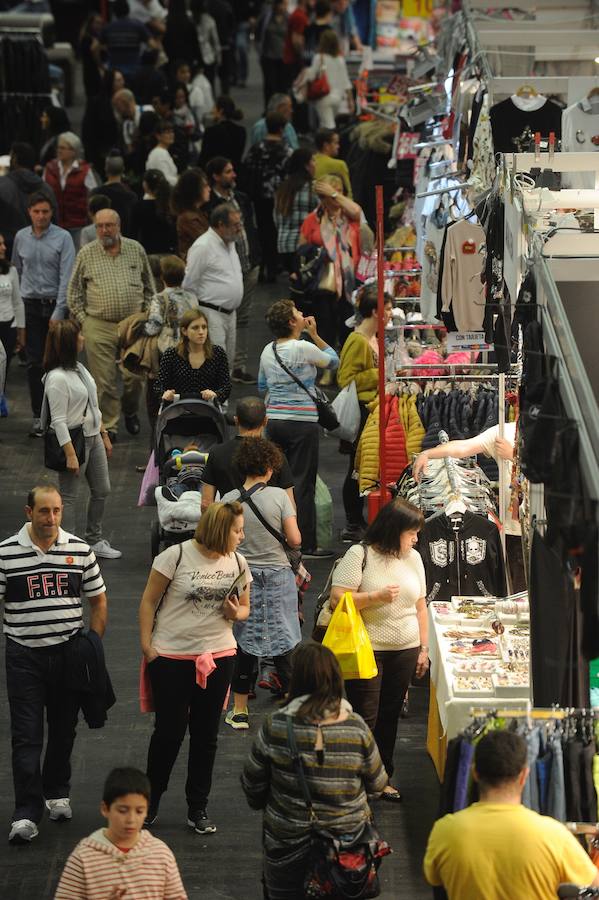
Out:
{"x": 465, "y": 562}
{"x": 367, "y": 453}
{"x": 412, "y": 426}
{"x": 87, "y": 676}
{"x": 71, "y": 201}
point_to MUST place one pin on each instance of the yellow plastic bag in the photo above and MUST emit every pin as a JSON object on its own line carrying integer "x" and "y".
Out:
{"x": 347, "y": 637}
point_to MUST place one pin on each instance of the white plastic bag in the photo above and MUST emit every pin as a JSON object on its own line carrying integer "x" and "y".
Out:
{"x": 347, "y": 409}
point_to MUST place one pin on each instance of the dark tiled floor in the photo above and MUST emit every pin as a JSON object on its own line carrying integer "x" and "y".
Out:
{"x": 225, "y": 865}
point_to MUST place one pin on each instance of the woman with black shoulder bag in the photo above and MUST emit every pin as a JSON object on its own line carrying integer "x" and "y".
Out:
{"x": 313, "y": 768}
{"x": 272, "y": 628}
{"x": 72, "y": 422}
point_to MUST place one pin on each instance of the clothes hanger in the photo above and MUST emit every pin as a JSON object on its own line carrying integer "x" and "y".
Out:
{"x": 526, "y": 91}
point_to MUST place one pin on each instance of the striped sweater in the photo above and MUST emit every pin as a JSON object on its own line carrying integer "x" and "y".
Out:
{"x": 95, "y": 867}
{"x": 286, "y": 399}
{"x": 350, "y": 771}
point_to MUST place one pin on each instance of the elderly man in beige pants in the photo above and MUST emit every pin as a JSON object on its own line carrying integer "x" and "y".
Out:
{"x": 110, "y": 281}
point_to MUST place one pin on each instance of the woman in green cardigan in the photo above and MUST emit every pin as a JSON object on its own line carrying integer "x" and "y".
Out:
{"x": 359, "y": 363}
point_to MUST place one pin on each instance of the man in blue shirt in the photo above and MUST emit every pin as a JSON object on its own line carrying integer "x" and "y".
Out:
{"x": 44, "y": 256}
{"x": 278, "y": 103}
{"x": 124, "y": 39}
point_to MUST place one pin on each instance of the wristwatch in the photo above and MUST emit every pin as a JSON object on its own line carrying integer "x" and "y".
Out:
{"x": 334, "y": 195}
{"x": 423, "y": 647}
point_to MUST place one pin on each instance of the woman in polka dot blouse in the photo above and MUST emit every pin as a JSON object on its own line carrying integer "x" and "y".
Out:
{"x": 195, "y": 367}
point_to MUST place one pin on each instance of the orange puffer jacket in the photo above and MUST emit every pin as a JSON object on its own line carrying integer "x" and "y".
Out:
{"x": 367, "y": 454}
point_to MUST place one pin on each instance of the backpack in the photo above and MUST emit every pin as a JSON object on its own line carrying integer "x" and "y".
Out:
{"x": 321, "y": 623}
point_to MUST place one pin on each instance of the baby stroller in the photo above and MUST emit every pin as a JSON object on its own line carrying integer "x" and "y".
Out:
{"x": 178, "y": 495}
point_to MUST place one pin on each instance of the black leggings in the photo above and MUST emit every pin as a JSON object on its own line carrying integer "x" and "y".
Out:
{"x": 245, "y": 667}
{"x": 379, "y": 700}
{"x": 181, "y": 704}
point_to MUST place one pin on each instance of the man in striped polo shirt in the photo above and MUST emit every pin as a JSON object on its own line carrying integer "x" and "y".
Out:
{"x": 44, "y": 571}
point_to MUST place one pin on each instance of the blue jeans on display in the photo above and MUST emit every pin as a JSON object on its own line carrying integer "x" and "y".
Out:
{"x": 530, "y": 794}
{"x": 242, "y": 45}
{"x": 556, "y": 791}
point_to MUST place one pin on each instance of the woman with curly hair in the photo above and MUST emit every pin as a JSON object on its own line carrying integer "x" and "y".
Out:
{"x": 188, "y": 203}
{"x": 195, "y": 367}
{"x": 272, "y": 628}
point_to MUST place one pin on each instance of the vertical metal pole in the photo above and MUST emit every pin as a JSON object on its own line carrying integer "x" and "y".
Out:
{"x": 380, "y": 246}
{"x": 503, "y": 486}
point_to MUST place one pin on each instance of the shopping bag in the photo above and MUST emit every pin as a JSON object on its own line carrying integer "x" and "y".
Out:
{"x": 324, "y": 514}
{"x": 347, "y": 409}
{"x": 148, "y": 483}
{"x": 347, "y": 637}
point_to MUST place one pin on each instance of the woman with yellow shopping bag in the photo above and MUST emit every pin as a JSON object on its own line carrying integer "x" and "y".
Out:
{"x": 389, "y": 594}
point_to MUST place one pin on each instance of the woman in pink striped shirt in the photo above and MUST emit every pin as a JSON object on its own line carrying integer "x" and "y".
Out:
{"x": 196, "y": 590}
{"x": 121, "y": 860}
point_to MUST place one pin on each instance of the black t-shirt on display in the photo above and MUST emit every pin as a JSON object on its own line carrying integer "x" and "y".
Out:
{"x": 514, "y": 128}
{"x": 222, "y": 474}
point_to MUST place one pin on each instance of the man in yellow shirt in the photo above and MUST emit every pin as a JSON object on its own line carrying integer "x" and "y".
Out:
{"x": 325, "y": 158}
{"x": 497, "y": 848}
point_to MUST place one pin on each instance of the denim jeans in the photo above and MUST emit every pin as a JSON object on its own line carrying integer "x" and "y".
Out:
{"x": 530, "y": 794}
{"x": 37, "y": 320}
{"x": 242, "y": 44}
{"x": 35, "y": 685}
{"x": 556, "y": 793}
{"x": 95, "y": 470}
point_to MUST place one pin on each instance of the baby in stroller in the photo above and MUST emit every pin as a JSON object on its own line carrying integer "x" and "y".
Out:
{"x": 179, "y": 498}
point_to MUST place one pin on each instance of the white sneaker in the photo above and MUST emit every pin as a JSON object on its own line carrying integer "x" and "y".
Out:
{"x": 59, "y": 809}
{"x": 105, "y": 551}
{"x": 22, "y": 831}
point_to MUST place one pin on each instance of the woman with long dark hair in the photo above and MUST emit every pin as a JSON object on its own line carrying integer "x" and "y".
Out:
{"x": 294, "y": 200}
{"x": 195, "y": 367}
{"x": 12, "y": 309}
{"x": 341, "y": 761}
{"x": 186, "y": 618}
{"x": 389, "y": 590}
{"x": 188, "y": 204}
{"x": 225, "y": 137}
{"x": 93, "y": 55}
{"x": 151, "y": 221}
{"x": 99, "y": 128}
{"x": 180, "y": 40}
{"x": 71, "y": 400}
{"x": 53, "y": 120}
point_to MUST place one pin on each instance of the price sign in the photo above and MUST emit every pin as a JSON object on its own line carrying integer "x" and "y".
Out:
{"x": 467, "y": 340}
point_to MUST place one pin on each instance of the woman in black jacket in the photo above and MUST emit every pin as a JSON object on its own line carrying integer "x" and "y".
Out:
{"x": 225, "y": 138}
{"x": 151, "y": 221}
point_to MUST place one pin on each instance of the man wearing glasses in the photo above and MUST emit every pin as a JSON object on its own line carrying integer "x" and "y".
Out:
{"x": 111, "y": 280}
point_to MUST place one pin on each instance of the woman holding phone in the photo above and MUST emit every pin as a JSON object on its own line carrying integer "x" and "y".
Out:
{"x": 195, "y": 592}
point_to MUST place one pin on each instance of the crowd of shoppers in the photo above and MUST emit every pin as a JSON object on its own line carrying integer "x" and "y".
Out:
{"x": 164, "y": 217}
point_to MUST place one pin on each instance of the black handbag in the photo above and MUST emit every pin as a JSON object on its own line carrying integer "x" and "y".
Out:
{"x": 327, "y": 417}
{"x": 345, "y": 867}
{"x": 294, "y": 554}
{"x": 54, "y": 455}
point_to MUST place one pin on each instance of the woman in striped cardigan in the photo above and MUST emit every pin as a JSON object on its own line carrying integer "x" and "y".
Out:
{"x": 341, "y": 761}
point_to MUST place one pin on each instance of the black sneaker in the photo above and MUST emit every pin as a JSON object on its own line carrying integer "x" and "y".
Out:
{"x": 352, "y": 534}
{"x": 151, "y": 815}
{"x": 242, "y": 377}
{"x": 200, "y": 822}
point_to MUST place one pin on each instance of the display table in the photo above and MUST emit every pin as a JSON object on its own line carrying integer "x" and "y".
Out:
{"x": 448, "y": 714}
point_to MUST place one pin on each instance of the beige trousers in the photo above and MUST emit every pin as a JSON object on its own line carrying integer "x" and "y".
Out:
{"x": 101, "y": 345}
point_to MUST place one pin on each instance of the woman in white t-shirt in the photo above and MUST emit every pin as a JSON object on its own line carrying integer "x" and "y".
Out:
{"x": 329, "y": 59}
{"x": 390, "y": 593}
{"x": 195, "y": 592}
